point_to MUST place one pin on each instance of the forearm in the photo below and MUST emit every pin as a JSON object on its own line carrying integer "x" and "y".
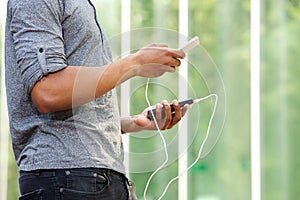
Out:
{"x": 77, "y": 85}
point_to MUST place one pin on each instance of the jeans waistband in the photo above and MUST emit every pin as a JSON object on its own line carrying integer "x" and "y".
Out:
{"x": 53, "y": 172}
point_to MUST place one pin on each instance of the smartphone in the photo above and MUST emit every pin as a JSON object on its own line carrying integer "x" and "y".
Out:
{"x": 152, "y": 113}
{"x": 190, "y": 44}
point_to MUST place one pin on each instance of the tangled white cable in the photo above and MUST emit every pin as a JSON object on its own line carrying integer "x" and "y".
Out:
{"x": 165, "y": 145}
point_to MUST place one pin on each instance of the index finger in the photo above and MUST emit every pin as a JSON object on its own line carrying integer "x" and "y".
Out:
{"x": 177, "y": 113}
{"x": 168, "y": 115}
{"x": 177, "y": 53}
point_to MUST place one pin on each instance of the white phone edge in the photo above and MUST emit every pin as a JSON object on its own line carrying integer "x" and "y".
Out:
{"x": 190, "y": 44}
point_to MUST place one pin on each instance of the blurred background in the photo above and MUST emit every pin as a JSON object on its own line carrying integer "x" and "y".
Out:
{"x": 225, "y": 32}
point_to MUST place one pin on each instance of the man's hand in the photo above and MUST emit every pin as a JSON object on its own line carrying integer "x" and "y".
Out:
{"x": 142, "y": 122}
{"x": 157, "y": 59}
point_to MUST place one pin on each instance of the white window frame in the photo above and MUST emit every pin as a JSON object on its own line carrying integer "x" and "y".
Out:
{"x": 125, "y": 94}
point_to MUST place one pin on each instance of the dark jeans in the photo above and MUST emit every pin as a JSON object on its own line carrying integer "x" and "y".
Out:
{"x": 73, "y": 184}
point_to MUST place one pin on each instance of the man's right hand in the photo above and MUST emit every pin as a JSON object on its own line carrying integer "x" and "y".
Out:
{"x": 156, "y": 59}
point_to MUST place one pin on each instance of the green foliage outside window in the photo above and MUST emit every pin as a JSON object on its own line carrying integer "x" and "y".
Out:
{"x": 224, "y": 30}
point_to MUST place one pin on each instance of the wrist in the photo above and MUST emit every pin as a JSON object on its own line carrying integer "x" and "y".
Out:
{"x": 130, "y": 65}
{"x": 136, "y": 61}
{"x": 128, "y": 125}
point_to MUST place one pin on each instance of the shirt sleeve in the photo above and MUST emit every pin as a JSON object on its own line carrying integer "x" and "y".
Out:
{"x": 36, "y": 28}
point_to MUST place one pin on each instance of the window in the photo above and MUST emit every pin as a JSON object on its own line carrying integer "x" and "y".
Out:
{"x": 223, "y": 64}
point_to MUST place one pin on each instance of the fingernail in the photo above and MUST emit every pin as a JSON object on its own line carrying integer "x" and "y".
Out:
{"x": 164, "y": 102}
{"x": 175, "y": 103}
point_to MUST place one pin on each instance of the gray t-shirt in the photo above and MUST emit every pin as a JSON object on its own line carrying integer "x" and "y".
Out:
{"x": 42, "y": 37}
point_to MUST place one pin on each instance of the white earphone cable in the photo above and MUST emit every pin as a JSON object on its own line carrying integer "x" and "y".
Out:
{"x": 165, "y": 145}
{"x": 162, "y": 138}
{"x": 201, "y": 147}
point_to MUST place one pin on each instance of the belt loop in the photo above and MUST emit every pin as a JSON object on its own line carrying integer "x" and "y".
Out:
{"x": 37, "y": 172}
{"x": 107, "y": 172}
{"x": 108, "y": 178}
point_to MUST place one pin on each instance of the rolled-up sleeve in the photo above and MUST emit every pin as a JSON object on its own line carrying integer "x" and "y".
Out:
{"x": 36, "y": 28}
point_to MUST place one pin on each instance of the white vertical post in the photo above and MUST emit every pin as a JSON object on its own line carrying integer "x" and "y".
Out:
{"x": 4, "y": 122}
{"x": 125, "y": 87}
{"x": 255, "y": 102}
{"x": 183, "y": 94}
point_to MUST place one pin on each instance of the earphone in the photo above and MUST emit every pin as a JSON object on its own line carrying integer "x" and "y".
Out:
{"x": 165, "y": 145}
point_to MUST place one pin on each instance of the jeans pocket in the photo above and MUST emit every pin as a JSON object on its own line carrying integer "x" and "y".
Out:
{"x": 35, "y": 195}
{"x": 93, "y": 185}
{"x": 26, "y": 181}
{"x": 86, "y": 181}
{"x": 85, "y": 186}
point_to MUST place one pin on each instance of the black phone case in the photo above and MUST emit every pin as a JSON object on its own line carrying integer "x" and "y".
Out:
{"x": 152, "y": 112}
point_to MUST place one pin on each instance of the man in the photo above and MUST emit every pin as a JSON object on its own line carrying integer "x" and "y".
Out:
{"x": 64, "y": 121}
